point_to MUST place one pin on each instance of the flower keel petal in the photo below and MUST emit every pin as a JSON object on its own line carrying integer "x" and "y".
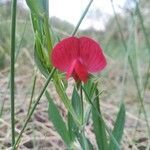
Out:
{"x": 80, "y": 72}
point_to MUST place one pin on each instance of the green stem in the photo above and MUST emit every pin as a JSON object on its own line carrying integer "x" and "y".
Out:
{"x": 147, "y": 43}
{"x": 12, "y": 68}
{"x": 140, "y": 96}
{"x": 34, "y": 106}
{"x": 82, "y": 17}
{"x": 2, "y": 108}
{"x": 106, "y": 127}
{"x": 48, "y": 80}
{"x": 82, "y": 108}
{"x": 85, "y": 144}
{"x": 32, "y": 93}
{"x": 21, "y": 41}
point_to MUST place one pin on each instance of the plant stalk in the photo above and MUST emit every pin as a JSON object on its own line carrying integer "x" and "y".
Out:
{"x": 32, "y": 93}
{"x": 82, "y": 17}
{"x": 82, "y": 107}
{"x": 140, "y": 96}
{"x": 12, "y": 67}
{"x": 34, "y": 106}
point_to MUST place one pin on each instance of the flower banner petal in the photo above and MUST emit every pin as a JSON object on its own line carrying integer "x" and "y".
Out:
{"x": 91, "y": 54}
{"x": 65, "y": 52}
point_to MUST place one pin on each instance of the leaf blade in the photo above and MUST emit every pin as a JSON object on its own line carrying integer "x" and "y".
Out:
{"x": 99, "y": 128}
{"x": 118, "y": 127}
{"x": 57, "y": 120}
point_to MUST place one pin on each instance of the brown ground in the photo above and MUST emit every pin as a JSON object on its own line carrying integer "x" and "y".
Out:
{"x": 40, "y": 133}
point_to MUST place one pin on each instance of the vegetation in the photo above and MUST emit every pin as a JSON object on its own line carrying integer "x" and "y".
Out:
{"x": 126, "y": 42}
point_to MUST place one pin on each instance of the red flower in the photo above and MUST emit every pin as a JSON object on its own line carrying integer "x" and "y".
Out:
{"x": 78, "y": 57}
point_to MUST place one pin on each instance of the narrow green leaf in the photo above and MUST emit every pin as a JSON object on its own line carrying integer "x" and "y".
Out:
{"x": 72, "y": 127}
{"x": 39, "y": 64}
{"x": 43, "y": 39}
{"x": 90, "y": 146}
{"x": 57, "y": 120}
{"x": 118, "y": 127}
{"x": 48, "y": 34}
{"x": 38, "y": 7}
{"x": 76, "y": 104}
{"x": 84, "y": 142}
{"x": 32, "y": 6}
{"x": 41, "y": 56}
{"x": 90, "y": 88}
{"x": 61, "y": 92}
{"x": 107, "y": 129}
{"x": 2, "y": 108}
{"x": 99, "y": 128}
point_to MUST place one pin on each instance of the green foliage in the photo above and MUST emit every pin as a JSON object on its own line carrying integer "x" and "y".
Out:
{"x": 41, "y": 57}
{"x": 57, "y": 120}
{"x": 131, "y": 33}
{"x": 43, "y": 40}
{"x": 77, "y": 133}
{"x": 65, "y": 99}
{"x": 101, "y": 124}
{"x": 24, "y": 34}
{"x": 2, "y": 59}
{"x": 76, "y": 103}
{"x": 34, "y": 106}
{"x": 118, "y": 128}
{"x": 98, "y": 124}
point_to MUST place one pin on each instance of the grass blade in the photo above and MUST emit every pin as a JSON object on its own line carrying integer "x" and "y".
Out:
{"x": 12, "y": 71}
{"x": 82, "y": 17}
{"x": 140, "y": 95}
{"x": 2, "y": 108}
{"x": 146, "y": 40}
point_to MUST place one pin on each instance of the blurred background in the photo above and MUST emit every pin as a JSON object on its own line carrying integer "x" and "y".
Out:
{"x": 122, "y": 27}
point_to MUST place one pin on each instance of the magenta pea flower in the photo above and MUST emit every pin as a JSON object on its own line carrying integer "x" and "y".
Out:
{"x": 78, "y": 57}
